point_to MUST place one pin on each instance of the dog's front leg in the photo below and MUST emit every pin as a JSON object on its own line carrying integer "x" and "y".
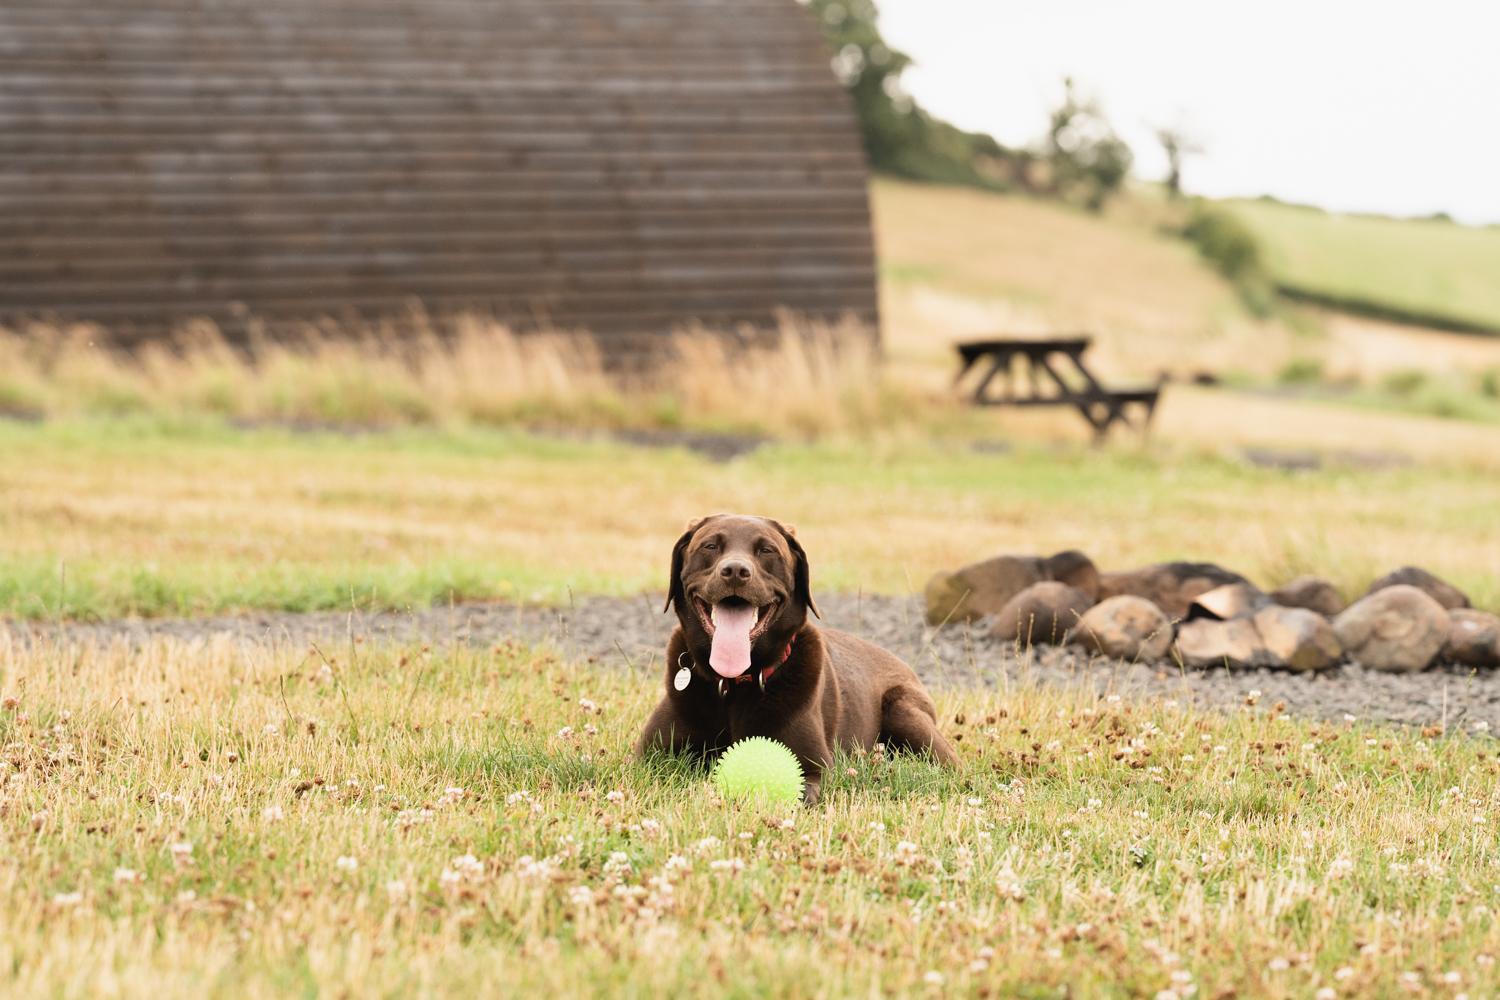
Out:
{"x": 806, "y": 740}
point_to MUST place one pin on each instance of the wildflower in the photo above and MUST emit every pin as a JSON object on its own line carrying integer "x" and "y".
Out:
{"x": 588, "y": 706}
{"x": 123, "y": 875}
{"x": 581, "y": 896}
{"x": 616, "y": 796}
{"x": 273, "y": 814}
{"x": 565, "y": 732}
{"x": 1344, "y": 973}
{"x": 271, "y": 729}
{"x": 618, "y": 864}
{"x": 346, "y": 864}
{"x": 67, "y": 899}
{"x": 397, "y": 890}
{"x": 1278, "y": 964}
{"x": 1452, "y": 978}
{"x": 521, "y": 795}
{"x": 1340, "y": 867}
{"x": 731, "y": 865}
{"x": 531, "y": 869}
{"x": 182, "y": 853}
{"x": 706, "y": 844}
{"x": 1326, "y": 993}
{"x": 932, "y": 977}
{"x": 453, "y": 793}
{"x": 650, "y": 827}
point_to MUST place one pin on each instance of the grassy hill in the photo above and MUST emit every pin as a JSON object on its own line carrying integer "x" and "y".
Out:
{"x": 1430, "y": 271}
{"x": 958, "y": 263}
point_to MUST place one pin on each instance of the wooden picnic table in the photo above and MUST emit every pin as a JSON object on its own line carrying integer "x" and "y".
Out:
{"x": 1055, "y": 375}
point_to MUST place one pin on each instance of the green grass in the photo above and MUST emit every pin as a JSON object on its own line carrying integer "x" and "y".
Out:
{"x": 248, "y": 821}
{"x": 142, "y": 517}
{"x": 1423, "y": 270}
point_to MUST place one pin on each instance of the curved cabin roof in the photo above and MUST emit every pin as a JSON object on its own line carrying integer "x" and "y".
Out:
{"x": 625, "y": 166}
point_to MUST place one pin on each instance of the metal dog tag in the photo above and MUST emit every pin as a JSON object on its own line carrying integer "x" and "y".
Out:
{"x": 681, "y": 679}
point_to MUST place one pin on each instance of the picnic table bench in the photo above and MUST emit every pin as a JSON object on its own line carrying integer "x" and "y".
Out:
{"x": 1039, "y": 357}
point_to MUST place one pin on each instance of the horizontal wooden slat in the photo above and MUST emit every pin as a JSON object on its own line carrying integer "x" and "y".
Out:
{"x": 629, "y": 166}
{"x": 504, "y": 258}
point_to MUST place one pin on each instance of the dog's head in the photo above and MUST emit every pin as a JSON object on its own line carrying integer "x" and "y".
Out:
{"x": 740, "y": 587}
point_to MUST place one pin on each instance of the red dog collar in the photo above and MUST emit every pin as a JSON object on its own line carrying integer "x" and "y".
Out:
{"x": 763, "y": 674}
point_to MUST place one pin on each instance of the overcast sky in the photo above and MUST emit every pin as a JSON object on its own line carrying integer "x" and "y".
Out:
{"x": 1360, "y": 106}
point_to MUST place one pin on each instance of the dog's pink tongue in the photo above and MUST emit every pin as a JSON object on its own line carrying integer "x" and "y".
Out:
{"x": 730, "y": 655}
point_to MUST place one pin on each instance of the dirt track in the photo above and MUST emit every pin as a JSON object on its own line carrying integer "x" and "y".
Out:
{"x": 629, "y": 633}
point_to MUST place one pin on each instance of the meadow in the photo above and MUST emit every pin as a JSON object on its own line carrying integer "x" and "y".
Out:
{"x": 200, "y": 816}
{"x": 212, "y": 819}
{"x": 139, "y": 517}
{"x": 1430, "y": 270}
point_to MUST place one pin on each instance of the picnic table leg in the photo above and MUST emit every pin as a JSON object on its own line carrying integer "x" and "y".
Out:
{"x": 989, "y": 376}
{"x": 1083, "y": 402}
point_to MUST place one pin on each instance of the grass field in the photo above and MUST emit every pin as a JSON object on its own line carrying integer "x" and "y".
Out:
{"x": 957, "y": 263}
{"x": 214, "y": 820}
{"x": 1423, "y": 268}
{"x": 197, "y": 817}
{"x": 104, "y": 518}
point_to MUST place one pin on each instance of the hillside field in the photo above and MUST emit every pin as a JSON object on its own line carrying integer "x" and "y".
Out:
{"x": 1422, "y": 268}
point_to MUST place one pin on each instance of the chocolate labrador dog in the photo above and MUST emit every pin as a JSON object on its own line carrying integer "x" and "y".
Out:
{"x": 746, "y": 661}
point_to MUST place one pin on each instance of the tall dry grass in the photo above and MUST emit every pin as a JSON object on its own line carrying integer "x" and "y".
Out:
{"x": 802, "y": 379}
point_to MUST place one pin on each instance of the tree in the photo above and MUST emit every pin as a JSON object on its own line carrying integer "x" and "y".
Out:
{"x": 1088, "y": 160}
{"x": 900, "y": 137}
{"x": 1177, "y": 144}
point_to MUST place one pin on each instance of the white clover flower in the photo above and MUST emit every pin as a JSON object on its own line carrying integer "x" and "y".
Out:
{"x": 345, "y": 863}
{"x": 273, "y": 814}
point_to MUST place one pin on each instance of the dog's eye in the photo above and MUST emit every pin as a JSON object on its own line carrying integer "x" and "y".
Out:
{"x": 767, "y": 549}
{"x": 710, "y": 546}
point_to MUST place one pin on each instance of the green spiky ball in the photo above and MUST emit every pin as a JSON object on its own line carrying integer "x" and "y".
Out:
{"x": 759, "y": 768}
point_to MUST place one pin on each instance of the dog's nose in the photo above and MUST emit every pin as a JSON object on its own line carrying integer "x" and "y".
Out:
{"x": 734, "y": 570}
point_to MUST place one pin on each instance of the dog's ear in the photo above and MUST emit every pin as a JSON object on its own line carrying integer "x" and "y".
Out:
{"x": 675, "y": 594}
{"x": 801, "y": 577}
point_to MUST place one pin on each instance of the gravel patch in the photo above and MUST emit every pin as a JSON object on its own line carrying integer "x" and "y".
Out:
{"x": 630, "y": 634}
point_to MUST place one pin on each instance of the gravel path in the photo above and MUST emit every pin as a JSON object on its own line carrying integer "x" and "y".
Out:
{"x": 629, "y": 634}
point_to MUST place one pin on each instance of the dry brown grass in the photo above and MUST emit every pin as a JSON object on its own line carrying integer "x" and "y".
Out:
{"x": 957, "y": 263}
{"x": 217, "y": 819}
{"x": 805, "y": 379}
